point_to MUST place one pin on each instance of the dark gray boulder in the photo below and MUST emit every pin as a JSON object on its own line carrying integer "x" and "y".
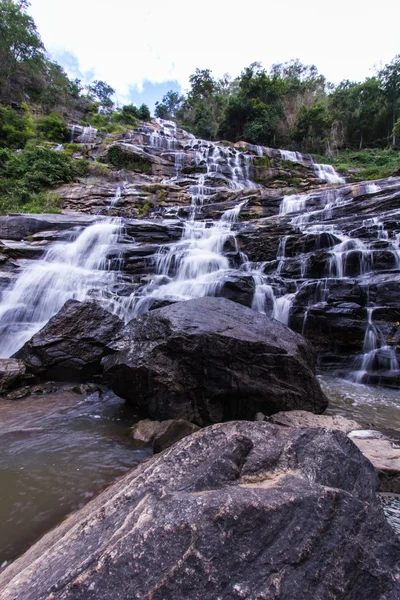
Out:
{"x": 210, "y": 360}
{"x": 237, "y": 510}
{"x": 72, "y": 344}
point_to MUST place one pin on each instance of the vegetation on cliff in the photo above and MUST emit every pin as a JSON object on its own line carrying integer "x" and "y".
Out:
{"x": 354, "y": 125}
{"x": 291, "y": 106}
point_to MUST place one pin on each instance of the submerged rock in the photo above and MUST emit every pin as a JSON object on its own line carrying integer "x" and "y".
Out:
{"x": 72, "y": 344}
{"x": 210, "y": 360}
{"x": 237, "y": 510}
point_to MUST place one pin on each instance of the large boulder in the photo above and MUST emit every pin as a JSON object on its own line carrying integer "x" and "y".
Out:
{"x": 237, "y": 510}
{"x": 210, "y": 360}
{"x": 72, "y": 344}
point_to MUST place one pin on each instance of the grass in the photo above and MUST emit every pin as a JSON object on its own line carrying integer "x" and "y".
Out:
{"x": 365, "y": 164}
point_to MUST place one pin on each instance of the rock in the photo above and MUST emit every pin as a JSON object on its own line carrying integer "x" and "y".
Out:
{"x": 238, "y": 289}
{"x": 304, "y": 419}
{"x": 72, "y": 344}
{"x": 144, "y": 431}
{"x": 237, "y": 510}
{"x": 18, "y": 227}
{"x": 384, "y": 455}
{"x": 210, "y": 360}
{"x": 12, "y": 373}
{"x": 163, "y": 434}
{"x": 171, "y": 431}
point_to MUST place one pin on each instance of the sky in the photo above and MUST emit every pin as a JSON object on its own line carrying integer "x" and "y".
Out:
{"x": 143, "y": 48}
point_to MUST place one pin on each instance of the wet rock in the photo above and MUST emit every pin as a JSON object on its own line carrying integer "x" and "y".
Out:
{"x": 72, "y": 344}
{"x": 238, "y": 288}
{"x": 210, "y": 360}
{"x": 19, "y": 227}
{"x": 12, "y": 373}
{"x": 236, "y": 510}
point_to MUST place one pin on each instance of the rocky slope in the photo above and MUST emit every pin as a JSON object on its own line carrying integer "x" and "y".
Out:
{"x": 266, "y": 228}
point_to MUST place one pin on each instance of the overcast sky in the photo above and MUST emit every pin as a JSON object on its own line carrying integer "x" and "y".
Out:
{"x": 145, "y": 47}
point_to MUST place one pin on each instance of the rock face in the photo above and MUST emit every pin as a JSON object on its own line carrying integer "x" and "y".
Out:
{"x": 210, "y": 360}
{"x": 237, "y": 510}
{"x": 72, "y": 344}
{"x": 12, "y": 372}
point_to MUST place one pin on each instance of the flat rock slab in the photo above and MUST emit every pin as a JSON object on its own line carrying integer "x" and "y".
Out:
{"x": 385, "y": 456}
{"x": 236, "y": 510}
{"x": 210, "y": 360}
{"x": 304, "y": 419}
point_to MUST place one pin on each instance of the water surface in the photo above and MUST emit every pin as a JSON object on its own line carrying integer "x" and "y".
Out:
{"x": 56, "y": 452}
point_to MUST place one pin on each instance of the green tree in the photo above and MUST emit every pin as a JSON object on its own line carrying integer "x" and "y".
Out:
{"x": 21, "y": 50}
{"x": 312, "y": 128}
{"x": 16, "y": 127}
{"x": 389, "y": 78}
{"x": 101, "y": 92}
{"x": 144, "y": 113}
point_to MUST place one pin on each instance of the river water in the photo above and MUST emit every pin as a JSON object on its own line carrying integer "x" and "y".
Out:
{"x": 56, "y": 452}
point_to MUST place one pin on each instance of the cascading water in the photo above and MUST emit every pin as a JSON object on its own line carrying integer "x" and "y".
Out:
{"x": 77, "y": 269}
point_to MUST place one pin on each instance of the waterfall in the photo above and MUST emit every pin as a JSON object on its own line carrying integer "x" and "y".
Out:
{"x": 328, "y": 173}
{"x": 116, "y": 198}
{"x": 78, "y": 269}
{"x": 376, "y": 357}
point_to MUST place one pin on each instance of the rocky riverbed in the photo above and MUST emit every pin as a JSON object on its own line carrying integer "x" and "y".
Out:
{"x": 188, "y": 282}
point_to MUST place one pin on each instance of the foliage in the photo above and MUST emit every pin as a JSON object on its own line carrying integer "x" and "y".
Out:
{"x": 366, "y": 164}
{"x": 26, "y": 176}
{"x": 121, "y": 159}
{"x": 101, "y": 92}
{"x": 169, "y": 105}
{"x": 21, "y": 50}
{"x": 53, "y": 128}
{"x": 16, "y": 127}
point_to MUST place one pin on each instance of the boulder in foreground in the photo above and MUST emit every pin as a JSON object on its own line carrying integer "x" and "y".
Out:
{"x": 210, "y": 360}
{"x": 236, "y": 510}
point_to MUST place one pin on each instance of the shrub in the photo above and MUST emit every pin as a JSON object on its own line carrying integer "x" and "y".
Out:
{"x": 16, "y": 127}
{"x": 81, "y": 167}
{"x": 120, "y": 159}
{"x": 53, "y": 128}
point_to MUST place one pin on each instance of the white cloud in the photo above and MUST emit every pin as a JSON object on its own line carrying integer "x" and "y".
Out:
{"x": 126, "y": 42}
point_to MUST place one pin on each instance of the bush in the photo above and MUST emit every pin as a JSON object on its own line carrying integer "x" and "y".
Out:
{"x": 53, "y": 128}
{"x": 26, "y": 177}
{"x": 16, "y": 127}
{"x": 81, "y": 168}
{"x": 120, "y": 159}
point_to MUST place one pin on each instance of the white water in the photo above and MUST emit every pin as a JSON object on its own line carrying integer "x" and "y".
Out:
{"x": 77, "y": 269}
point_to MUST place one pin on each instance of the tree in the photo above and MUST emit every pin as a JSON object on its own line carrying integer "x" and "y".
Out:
{"x": 203, "y": 85}
{"x": 21, "y": 50}
{"x": 389, "y": 78}
{"x": 144, "y": 113}
{"x": 312, "y": 127}
{"x": 101, "y": 92}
